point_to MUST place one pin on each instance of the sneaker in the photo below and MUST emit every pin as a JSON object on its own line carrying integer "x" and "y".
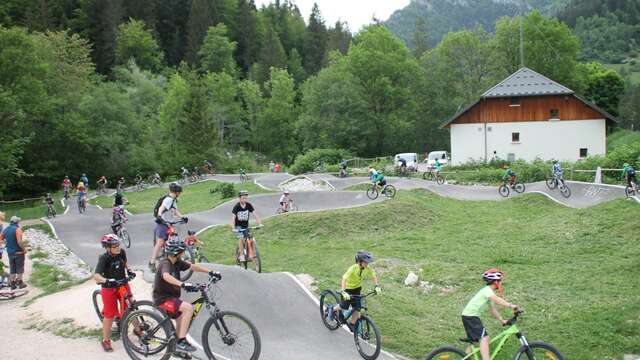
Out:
{"x": 330, "y": 313}
{"x": 183, "y": 345}
{"x": 21, "y": 285}
{"x": 152, "y": 267}
{"x": 106, "y": 346}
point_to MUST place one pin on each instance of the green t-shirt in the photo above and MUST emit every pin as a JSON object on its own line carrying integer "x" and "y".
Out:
{"x": 479, "y": 302}
{"x": 355, "y": 274}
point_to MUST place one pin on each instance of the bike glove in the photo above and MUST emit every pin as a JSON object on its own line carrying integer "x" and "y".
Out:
{"x": 215, "y": 274}
{"x": 188, "y": 287}
{"x": 185, "y": 219}
{"x": 378, "y": 290}
{"x": 159, "y": 220}
{"x": 346, "y": 296}
{"x": 132, "y": 275}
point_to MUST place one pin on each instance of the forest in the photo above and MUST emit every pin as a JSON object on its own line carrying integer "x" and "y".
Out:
{"x": 120, "y": 87}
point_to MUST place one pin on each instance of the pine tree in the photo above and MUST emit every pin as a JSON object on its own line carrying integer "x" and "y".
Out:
{"x": 272, "y": 55}
{"x": 339, "y": 38}
{"x": 104, "y": 17}
{"x": 295, "y": 67}
{"x": 420, "y": 39}
{"x": 172, "y": 17}
{"x": 144, "y": 10}
{"x": 216, "y": 53}
{"x": 202, "y": 16}
{"x": 315, "y": 43}
{"x": 246, "y": 35}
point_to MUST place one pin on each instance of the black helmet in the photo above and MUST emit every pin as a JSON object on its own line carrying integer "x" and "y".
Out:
{"x": 175, "y": 188}
{"x": 191, "y": 232}
{"x": 243, "y": 193}
{"x": 175, "y": 247}
{"x": 365, "y": 256}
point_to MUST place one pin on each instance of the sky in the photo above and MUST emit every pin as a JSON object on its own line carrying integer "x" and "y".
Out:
{"x": 355, "y": 12}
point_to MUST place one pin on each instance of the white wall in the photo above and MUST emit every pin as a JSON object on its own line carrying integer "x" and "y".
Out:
{"x": 547, "y": 140}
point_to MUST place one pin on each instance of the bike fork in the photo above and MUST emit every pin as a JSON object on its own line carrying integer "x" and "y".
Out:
{"x": 524, "y": 343}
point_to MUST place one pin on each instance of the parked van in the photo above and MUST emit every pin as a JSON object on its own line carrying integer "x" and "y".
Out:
{"x": 441, "y": 156}
{"x": 410, "y": 158}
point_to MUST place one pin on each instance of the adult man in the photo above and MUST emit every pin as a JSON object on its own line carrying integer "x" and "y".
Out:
{"x": 167, "y": 211}
{"x": 85, "y": 180}
{"x": 240, "y": 219}
{"x": 16, "y": 249}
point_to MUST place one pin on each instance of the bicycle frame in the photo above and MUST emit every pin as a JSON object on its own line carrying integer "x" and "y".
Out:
{"x": 501, "y": 339}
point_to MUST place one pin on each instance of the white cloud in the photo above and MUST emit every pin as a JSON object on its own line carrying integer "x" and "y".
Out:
{"x": 355, "y": 12}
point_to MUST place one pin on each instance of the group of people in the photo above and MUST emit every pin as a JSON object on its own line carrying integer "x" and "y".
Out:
{"x": 274, "y": 167}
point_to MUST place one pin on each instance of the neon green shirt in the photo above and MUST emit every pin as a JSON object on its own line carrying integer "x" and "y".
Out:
{"x": 479, "y": 302}
{"x": 355, "y": 274}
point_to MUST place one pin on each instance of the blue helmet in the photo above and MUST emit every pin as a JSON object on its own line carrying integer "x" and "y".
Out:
{"x": 365, "y": 256}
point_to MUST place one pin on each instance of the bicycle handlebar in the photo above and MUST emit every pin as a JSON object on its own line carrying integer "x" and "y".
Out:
{"x": 202, "y": 287}
{"x": 117, "y": 283}
{"x": 516, "y": 313}
{"x": 249, "y": 228}
{"x": 372, "y": 293}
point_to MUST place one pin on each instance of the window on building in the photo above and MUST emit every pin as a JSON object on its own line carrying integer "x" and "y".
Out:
{"x": 584, "y": 153}
{"x": 515, "y": 101}
{"x": 515, "y": 137}
{"x": 555, "y": 114}
{"x": 511, "y": 157}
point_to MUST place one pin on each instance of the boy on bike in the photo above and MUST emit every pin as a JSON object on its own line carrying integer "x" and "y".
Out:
{"x": 557, "y": 171}
{"x": 437, "y": 167}
{"x": 377, "y": 177}
{"x": 240, "y": 219}
{"x": 118, "y": 215}
{"x": 112, "y": 266}
{"x": 167, "y": 211}
{"x": 352, "y": 286}
{"x": 473, "y": 326}
{"x": 284, "y": 201}
{"x": 66, "y": 185}
{"x": 192, "y": 240}
{"x": 102, "y": 182}
{"x": 630, "y": 173}
{"x": 81, "y": 191}
{"x": 49, "y": 200}
{"x": 166, "y": 290}
{"x": 509, "y": 174}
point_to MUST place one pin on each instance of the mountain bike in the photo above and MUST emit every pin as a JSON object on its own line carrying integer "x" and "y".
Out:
{"x": 534, "y": 350}
{"x": 504, "y": 189}
{"x": 225, "y": 334}
{"x": 402, "y": 171}
{"x": 631, "y": 190}
{"x": 432, "y": 175}
{"x": 374, "y": 191}
{"x": 188, "y": 256}
{"x": 244, "y": 177}
{"x": 123, "y": 234}
{"x": 291, "y": 207}
{"x": 66, "y": 192}
{"x": 102, "y": 188}
{"x": 51, "y": 211}
{"x": 251, "y": 251}
{"x": 141, "y": 184}
{"x": 154, "y": 180}
{"x": 366, "y": 334}
{"x": 197, "y": 254}
{"x": 554, "y": 182}
{"x": 82, "y": 204}
{"x": 343, "y": 173}
{"x": 125, "y": 299}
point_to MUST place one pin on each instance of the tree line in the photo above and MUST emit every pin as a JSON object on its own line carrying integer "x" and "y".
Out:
{"x": 122, "y": 94}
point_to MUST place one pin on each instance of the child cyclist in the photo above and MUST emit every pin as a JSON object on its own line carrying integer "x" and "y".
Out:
{"x": 284, "y": 201}
{"x": 352, "y": 286}
{"x": 112, "y": 266}
{"x": 118, "y": 215}
{"x": 473, "y": 326}
{"x": 509, "y": 174}
{"x": 377, "y": 177}
{"x": 630, "y": 174}
{"x": 557, "y": 171}
{"x": 192, "y": 240}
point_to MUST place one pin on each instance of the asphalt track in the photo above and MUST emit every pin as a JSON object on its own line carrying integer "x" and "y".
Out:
{"x": 285, "y": 314}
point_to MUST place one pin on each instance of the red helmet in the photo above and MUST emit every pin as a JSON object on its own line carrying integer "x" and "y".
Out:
{"x": 492, "y": 275}
{"x": 109, "y": 240}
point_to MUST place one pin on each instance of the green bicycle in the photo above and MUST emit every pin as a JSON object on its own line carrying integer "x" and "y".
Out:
{"x": 535, "y": 350}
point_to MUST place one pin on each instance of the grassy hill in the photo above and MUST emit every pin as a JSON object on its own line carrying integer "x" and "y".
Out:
{"x": 575, "y": 272}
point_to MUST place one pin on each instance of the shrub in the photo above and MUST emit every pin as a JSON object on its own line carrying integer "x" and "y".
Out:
{"x": 226, "y": 190}
{"x": 306, "y": 162}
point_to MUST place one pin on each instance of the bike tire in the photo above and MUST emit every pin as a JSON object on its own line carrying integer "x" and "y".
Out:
{"x": 446, "y": 353}
{"x": 552, "y": 183}
{"x": 362, "y": 336}
{"x": 224, "y": 332}
{"x": 329, "y": 298}
{"x": 528, "y": 353}
{"x": 242, "y": 264}
{"x": 96, "y": 298}
{"x": 389, "y": 191}
{"x": 503, "y": 190}
{"x": 257, "y": 260}
{"x": 126, "y": 238}
{"x": 440, "y": 180}
{"x": 628, "y": 191}
{"x": 139, "y": 349}
{"x": 519, "y": 188}
{"x": 12, "y": 294}
{"x": 204, "y": 259}
{"x": 190, "y": 258}
{"x": 565, "y": 191}
{"x": 279, "y": 210}
{"x": 372, "y": 193}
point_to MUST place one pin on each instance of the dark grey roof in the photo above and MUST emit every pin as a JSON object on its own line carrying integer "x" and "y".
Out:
{"x": 526, "y": 82}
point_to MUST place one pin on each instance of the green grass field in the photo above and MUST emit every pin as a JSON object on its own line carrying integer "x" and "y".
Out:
{"x": 575, "y": 272}
{"x": 31, "y": 210}
{"x": 196, "y": 197}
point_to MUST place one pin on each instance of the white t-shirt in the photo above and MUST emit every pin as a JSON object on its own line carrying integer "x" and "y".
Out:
{"x": 170, "y": 205}
{"x": 284, "y": 198}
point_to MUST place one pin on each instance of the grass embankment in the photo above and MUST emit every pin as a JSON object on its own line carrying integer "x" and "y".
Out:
{"x": 575, "y": 272}
{"x": 194, "y": 198}
{"x": 31, "y": 210}
{"x": 622, "y": 137}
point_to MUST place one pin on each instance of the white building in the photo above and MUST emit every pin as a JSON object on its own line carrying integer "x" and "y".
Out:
{"x": 528, "y": 116}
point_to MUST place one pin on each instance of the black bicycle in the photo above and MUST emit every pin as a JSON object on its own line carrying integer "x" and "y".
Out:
{"x": 366, "y": 334}
{"x": 225, "y": 334}
{"x": 554, "y": 182}
{"x": 51, "y": 211}
{"x": 631, "y": 190}
{"x": 433, "y": 175}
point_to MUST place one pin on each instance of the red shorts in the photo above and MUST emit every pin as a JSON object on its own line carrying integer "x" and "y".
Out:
{"x": 110, "y": 299}
{"x": 172, "y": 307}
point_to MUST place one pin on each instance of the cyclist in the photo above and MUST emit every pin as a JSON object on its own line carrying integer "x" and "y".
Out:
{"x": 557, "y": 171}
{"x": 120, "y": 185}
{"x": 272, "y": 166}
{"x": 138, "y": 179}
{"x": 85, "y": 180}
{"x": 192, "y": 240}
{"x": 184, "y": 173}
{"x": 240, "y": 219}
{"x": 118, "y": 215}
{"x": 166, "y": 290}
{"x": 486, "y": 296}
{"x": 167, "y": 211}
{"x": 208, "y": 166}
{"x": 66, "y": 185}
{"x": 403, "y": 164}
{"x": 352, "y": 286}
{"x": 630, "y": 173}
{"x": 437, "y": 166}
{"x": 49, "y": 200}
{"x": 510, "y": 174}
{"x": 112, "y": 266}
{"x": 81, "y": 192}
{"x": 284, "y": 201}
{"x": 196, "y": 172}
{"x": 377, "y": 177}
{"x": 102, "y": 182}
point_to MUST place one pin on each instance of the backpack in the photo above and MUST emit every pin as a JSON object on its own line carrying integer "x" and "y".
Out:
{"x": 159, "y": 203}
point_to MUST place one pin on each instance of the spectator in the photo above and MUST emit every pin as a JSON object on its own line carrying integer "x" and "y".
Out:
{"x": 272, "y": 166}
{"x": 1, "y": 226}
{"x": 277, "y": 167}
{"x": 16, "y": 249}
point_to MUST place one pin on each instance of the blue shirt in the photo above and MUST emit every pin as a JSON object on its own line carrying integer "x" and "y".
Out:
{"x": 11, "y": 238}
{"x": 85, "y": 180}
{"x": 557, "y": 169}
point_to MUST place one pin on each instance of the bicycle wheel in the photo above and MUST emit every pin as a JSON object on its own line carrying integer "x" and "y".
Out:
{"x": 257, "y": 260}
{"x": 446, "y": 353}
{"x": 279, "y": 210}
{"x": 230, "y": 335}
{"x": 126, "y": 238}
{"x": 12, "y": 294}
{"x": 552, "y": 183}
{"x": 372, "y": 193}
{"x": 519, "y": 188}
{"x": 242, "y": 264}
{"x": 565, "y": 191}
{"x": 329, "y": 299}
{"x": 440, "y": 180}
{"x": 538, "y": 350}
{"x": 293, "y": 207}
{"x": 629, "y": 191}
{"x": 389, "y": 191}
{"x": 203, "y": 259}
{"x": 503, "y": 190}
{"x": 188, "y": 257}
{"x": 157, "y": 341}
{"x": 96, "y": 297}
{"x": 367, "y": 338}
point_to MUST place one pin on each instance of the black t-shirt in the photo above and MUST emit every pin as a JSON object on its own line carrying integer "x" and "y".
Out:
{"x": 242, "y": 214}
{"x": 162, "y": 290}
{"x": 112, "y": 267}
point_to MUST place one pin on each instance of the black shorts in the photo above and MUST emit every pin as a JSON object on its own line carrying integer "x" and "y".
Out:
{"x": 474, "y": 328}
{"x": 355, "y": 302}
{"x": 16, "y": 263}
{"x": 382, "y": 183}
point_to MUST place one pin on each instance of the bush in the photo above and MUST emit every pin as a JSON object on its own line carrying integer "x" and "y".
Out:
{"x": 226, "y": 190}
{"x": 307, "y": 162}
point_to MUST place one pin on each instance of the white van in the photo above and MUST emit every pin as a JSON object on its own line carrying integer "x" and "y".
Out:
{"x": 441, "y": 156}
{"x": 410, "y": 158}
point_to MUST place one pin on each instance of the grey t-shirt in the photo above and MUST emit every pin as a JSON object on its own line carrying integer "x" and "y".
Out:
{"x": 170, "y": 205}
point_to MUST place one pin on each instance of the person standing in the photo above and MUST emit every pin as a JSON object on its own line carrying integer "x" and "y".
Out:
{"x": 1, "y": 242}
{"x": 16, "y": 249}
{"x": 167, "y": 210}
